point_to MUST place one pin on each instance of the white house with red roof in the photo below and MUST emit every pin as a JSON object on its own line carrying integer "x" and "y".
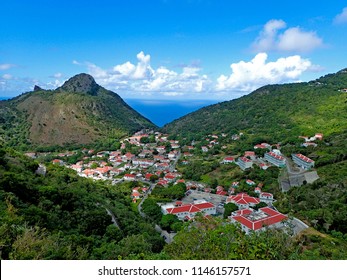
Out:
{"x": 228, "y": 160}
{"x": 188, "y": 211}
{"x": 303, "y": 161}
{"x": 129, "y": 177}
{"x": 266, "y": 197}
{"x": 243, "y": 200}
{"x": 250, "y": 182}
{"x": 252, "y": 220}
{"x": 275, "y": 159}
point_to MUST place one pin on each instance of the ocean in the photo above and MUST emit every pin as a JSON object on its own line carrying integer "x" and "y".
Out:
{"x": 161, "y": 112}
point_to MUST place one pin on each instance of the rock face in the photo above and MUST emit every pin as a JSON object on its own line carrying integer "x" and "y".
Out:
{"x": 37, "y": 88}
{"x": 81, "y": 83}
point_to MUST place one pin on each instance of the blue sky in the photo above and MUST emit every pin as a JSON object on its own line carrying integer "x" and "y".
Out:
{"x": 170, "y": 49}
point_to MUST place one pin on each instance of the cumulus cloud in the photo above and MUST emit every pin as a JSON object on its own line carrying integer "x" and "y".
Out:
{"x": 291, "y": 39}
{"x": 248, "y": 76}
{"x": 144, "y": 79}
{"x": 342, "y": 17}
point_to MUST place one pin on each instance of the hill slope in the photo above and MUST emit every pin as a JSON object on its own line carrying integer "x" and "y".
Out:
{"x": 279, "y": 111}
{"x": 79, "y": 112}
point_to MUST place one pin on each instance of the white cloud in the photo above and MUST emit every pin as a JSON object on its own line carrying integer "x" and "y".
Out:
{"x": 291, "y": 39}
{"x": 7, "y": 76}
{"x": 341, "y": 18}
{"x": 141, "y": 78}
{"x": 6, "y": 66}
{"x": 248, "y": 76}
{"x": 58, "y": 75}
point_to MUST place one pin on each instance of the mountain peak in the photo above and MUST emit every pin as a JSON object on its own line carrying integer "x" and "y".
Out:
{"x": 81, "y": 83}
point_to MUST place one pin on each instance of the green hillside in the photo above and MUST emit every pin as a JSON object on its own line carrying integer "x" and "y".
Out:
{"x": 79, "y": 112}
{"x": 278, "y": 112}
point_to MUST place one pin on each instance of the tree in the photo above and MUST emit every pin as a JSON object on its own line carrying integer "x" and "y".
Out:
{"x": 228, "y": 209}
{"x": 167, "y": 220}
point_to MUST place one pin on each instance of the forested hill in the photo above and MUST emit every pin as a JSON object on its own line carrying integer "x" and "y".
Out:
{"x": 79, "y": 112}
{"x": 58, "y": 215}
{"x": 278, "y": 112}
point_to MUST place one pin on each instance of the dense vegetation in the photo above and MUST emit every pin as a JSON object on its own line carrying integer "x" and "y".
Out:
{"x": 63, "y": 216}
{"x": 277, "y": 112}
{"x": 80, "y": 112}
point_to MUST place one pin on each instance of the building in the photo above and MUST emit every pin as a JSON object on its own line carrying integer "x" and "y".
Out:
{"x": 244, "y": 163}
{"x": 251, "y": 220}
{"x": 266, "y": 197}
{"x": 188, "y": 211}
{"x": 275, "y": 159}
{"x": 243, "y": 200}
{"x": 303, "y": 161}
{"x": 228, "y": 160}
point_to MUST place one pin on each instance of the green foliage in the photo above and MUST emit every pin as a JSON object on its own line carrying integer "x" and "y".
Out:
{"x": 152, "y": 210}
{"x": 172, "y": 192}
{"x": 228, "y": 209}
{"x": 63, "y": 216}
{"x": 275, "y": 113}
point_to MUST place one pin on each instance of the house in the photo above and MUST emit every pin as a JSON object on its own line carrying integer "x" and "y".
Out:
{"x": 188, "y": 211}
{"x": 128, "y": 157}
{"x": 228, "y": 160}
{"x": 161, "y": 149}
{"x": 135, "y": 194}
{"x": 244, "y": 163}
{"x": 250, "y": 182}
{"x": 262, "y": 146}
{"x": 204, "y": 149}
{"x": 303, "y": 161}
{"x": 251, "y": 220}
{"x": 129, "y": 177}
{"x": 58, "y": 161}
{"x": 319, "y": 136}
{"x": 275, "y": 159}
{"x": 163, "y": 182}
{"x": 148, "y": 176}
{"x": 235, "y": 184}
{"x": 76, "y": 167}
{"x": 309, "y": 144}
{"x": 243, "y": 200}
{"x": 266, "y": 197}
{"x": 257, "y": 190}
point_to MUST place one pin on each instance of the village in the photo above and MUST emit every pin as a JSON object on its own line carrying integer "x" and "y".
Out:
{"x": 155, "y": 165}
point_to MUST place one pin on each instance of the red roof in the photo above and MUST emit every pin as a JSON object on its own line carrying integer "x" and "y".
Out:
{"x": 243, "y": 212}
{"x": 243, "y": 198}
{"x": 268, "y": 218}
{"x": 229, "y": 159}
{"x": 249, "y": 153}
{"x": 272, "y": 154}
{"x": 265, "y": 194}
{"x": 190, "y": 208}
{"x": 304, "y": 158}
{"x": 221, "y": 193}
{"x": 244, "y": 159}
{"x": 148, "y": 176}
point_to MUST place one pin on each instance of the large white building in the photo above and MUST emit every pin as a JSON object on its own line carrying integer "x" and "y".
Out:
{"x": 188, "y": 211}
{"x": 303, "y": 161}
{"x": 251, "y": 220}
{"x": 275, "y": 159}
{"x": 244, "y": 163}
